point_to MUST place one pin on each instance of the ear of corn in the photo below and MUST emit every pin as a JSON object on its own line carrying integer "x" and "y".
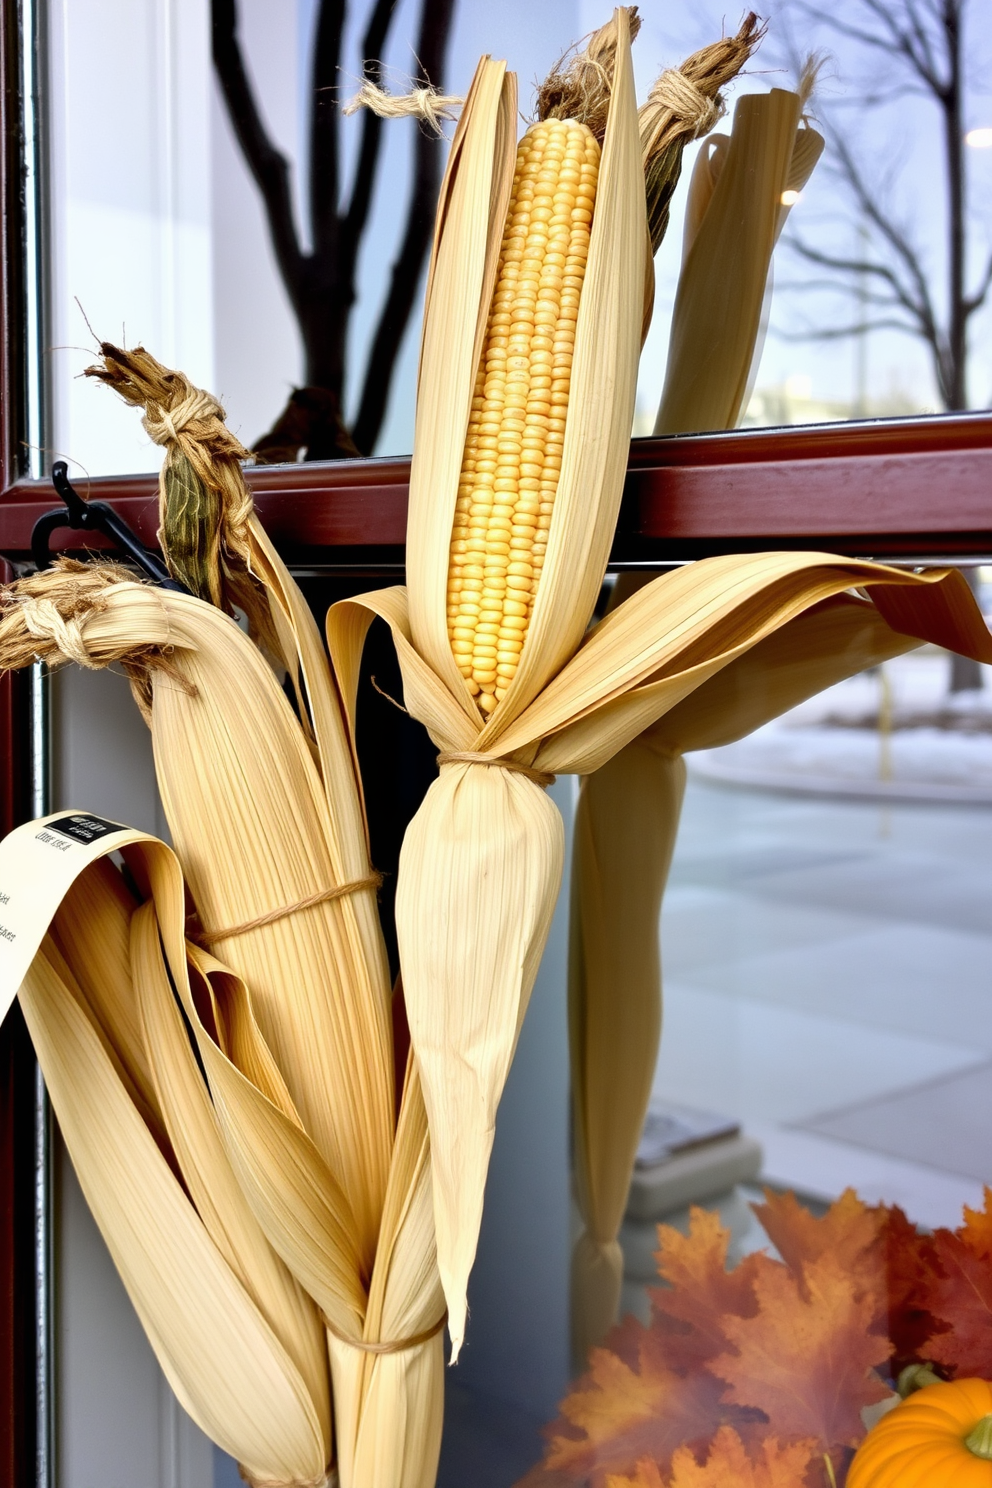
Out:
{"x": 502, "y": 838}
{"x": 513, "y": 451}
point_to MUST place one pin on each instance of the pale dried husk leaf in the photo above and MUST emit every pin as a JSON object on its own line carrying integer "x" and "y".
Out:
{"x": 734, "y": 216}
{"x": 222, "y": 1358}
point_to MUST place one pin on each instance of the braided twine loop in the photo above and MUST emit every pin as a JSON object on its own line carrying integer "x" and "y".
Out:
{"x": 43, "y": 617}
{"x": 685, "y": 101}
{"x": 188, "y": 422}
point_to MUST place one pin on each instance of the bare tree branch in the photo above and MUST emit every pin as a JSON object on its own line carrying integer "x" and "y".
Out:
{"x": 356, "y": 216}
{"x": 434, "y": 29}
{"x": 857, "y": 267}
{"x": 269, "y": 166}
{"x": 976, "y": 300}
{"x": 324, "y": 128}
{"x": 869, "y": 203}
{"x": 843, "y": 333}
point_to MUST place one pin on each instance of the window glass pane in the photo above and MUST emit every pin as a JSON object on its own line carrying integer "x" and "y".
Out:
{"x": 160, "y": 235}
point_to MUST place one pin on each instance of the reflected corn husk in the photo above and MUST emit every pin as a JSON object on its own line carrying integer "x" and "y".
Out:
{"x": 734, "y": 215}
{"x": 481, "y": 862}
{"x": 614, "y": 1008}
{"x": 626, "y": 825}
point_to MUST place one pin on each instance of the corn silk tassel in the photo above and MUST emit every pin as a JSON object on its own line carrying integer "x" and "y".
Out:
{"x": 292, "y": 1027}
{"x": 490, "y": 546}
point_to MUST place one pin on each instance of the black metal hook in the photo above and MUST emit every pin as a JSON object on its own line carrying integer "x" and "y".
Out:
{"x": 94, "y": 516}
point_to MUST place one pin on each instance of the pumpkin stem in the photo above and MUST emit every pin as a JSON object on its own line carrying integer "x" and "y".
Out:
{"x": 916, "y": 1377}
{"x": 980, "y": 1440}
{"x": 830, "y": 1470}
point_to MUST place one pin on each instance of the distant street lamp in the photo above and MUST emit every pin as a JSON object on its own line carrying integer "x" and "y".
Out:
{"x": 979, "y": 139}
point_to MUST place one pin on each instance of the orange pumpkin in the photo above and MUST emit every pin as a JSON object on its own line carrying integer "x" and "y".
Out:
{"x": 941, "y": 1437}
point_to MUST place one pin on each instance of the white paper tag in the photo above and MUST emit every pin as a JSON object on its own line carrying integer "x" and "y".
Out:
{"x": 39, "y": 862}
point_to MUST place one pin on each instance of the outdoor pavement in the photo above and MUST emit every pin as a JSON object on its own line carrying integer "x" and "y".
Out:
{"x": 828, "y": 981}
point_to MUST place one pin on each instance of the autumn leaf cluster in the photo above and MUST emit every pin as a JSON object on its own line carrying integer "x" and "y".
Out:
{"x": 757, "y": 1377}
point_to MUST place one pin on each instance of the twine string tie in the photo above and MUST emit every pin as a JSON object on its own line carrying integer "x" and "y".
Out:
{"x": 466, "y": 757}
{"x": 393, "y": 1346}
{"x": 680, "y": 95}
{"x": 204, "y": 936}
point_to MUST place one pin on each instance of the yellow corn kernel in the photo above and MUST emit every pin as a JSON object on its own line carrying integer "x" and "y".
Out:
{"x": 512, "y": 457}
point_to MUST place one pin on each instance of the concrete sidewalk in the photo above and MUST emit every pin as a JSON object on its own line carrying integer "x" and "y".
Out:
{"x": 828, "y": 981}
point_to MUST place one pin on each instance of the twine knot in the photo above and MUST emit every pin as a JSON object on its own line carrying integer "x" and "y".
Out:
{"x": 681, "y": 96}
{"x": 44, "y": 622}
{"x": 425, "y": 104}
{"x": 164, "y": 425}
{"x": 326, "y": 1479}
{"x": 392, "y": 1346}
{"x": 466, "y": 757}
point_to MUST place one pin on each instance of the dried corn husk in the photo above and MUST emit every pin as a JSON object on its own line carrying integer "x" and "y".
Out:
{"x": 248, "y": 1153}
{"x": 480, "y": 866}
{"x": 300, "y": 1067}
{"x": 684, "y": 103}
{"x": 238, "y": 1340}
{"x": 473, "y": 906}
{"x": 734, "y": 216}
{"x": 503, "y": 839}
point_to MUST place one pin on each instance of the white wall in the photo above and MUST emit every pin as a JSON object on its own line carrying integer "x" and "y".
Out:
{"x": 130, "y": 209}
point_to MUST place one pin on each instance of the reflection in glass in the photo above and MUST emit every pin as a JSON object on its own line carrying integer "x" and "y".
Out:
{"x": 881, "y": 283}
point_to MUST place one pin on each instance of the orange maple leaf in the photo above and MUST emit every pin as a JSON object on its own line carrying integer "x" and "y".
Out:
{"x": 976, "y": 1231}
{"x": 807, "y": 1359}
{"x": 701, "y": 1292}
{"x": 910, "y": 1265}
{"x": 959, "y": 1295}
{"x": 617, "y": 1416}
{"x": 647, "y": 1474}
{"x": 848, "y": 1231}
{"x": 727, "y": 1465}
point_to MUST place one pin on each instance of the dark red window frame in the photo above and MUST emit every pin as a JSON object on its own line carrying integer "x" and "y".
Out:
{"x": 909, "y": 490}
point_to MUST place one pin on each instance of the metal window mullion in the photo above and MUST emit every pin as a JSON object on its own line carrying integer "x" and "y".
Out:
{"x": 44, "y": 1232}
